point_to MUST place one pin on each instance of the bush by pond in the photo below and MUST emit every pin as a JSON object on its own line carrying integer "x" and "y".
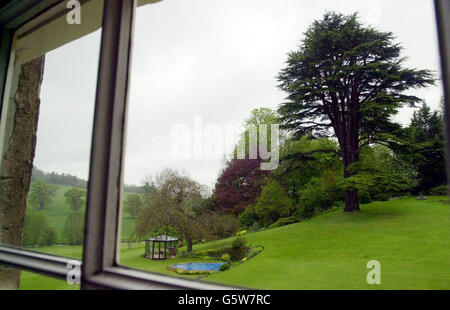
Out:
{"x": 239, "y": 249}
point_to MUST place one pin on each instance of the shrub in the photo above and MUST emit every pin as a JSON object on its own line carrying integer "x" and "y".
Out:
{"x": 239, "y": 242}
{"x": 255, "y": 226}
{"x": 50, "y": 237}
{"x": 284, "y": 221}
{"x": 272, "y": 204}
{"x": 37, "y": 231}
{"x": 339, "y": 204}
{"x": 74, "y": 197}
{"x": 238, "y": 249}
{"x": 240, "y": 233}
{"x": 248, "y": 218}
{"x": 74, "y": 229}
{"x": 224, "y": 267}
{"x": 364, "y": 196}
{"x": 331, "y": 181}
{"x": 441, "y": 190}
{"x": 313, "y": 197}
{"x": 382, "y": 197}
{"x": 225, "y": 257}
{"x": 255, "y": 250}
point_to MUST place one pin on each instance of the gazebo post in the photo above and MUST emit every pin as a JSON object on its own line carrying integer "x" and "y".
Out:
{"x": 165, "y": 249}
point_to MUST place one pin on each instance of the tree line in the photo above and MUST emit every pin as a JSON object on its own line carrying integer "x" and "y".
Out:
{"x": 71, "y": 180}
{"x": 37, "y": 229}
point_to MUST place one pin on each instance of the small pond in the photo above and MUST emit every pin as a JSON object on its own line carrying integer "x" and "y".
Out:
{"x": 197, "y": 266}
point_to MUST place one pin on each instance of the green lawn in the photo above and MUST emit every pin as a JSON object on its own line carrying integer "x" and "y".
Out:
{"x": 410, "y": 239}
{"x": 58, "y": 211}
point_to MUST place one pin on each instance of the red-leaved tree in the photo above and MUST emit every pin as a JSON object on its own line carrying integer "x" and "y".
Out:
{"x": 239, "y": 185}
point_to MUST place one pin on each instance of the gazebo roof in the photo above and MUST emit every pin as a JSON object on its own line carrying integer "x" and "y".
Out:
{"x": 163, "y": 238}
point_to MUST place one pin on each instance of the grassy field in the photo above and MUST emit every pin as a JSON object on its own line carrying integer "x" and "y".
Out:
{"x": 58, "y": 211}
{"x": 410, "y": 239}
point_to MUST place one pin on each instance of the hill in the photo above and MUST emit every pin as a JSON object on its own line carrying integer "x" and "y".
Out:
{"x": 58, "y": 211}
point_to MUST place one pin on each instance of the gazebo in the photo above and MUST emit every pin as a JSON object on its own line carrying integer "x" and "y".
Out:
{"x": 161, "y": 247}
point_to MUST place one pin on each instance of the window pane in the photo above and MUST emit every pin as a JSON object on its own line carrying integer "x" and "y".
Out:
{"x": 34, "y": 281}
{"x": 205, "y": 71}
{"x": 46, "y": 128}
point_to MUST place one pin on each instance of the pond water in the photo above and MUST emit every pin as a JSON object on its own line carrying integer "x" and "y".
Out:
{"x": 198, "y": 266}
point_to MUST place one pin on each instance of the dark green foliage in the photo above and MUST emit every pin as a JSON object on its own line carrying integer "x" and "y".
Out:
{"x": 37, "y": 231}
{"x": 50, "y": 237}
{"x": 133, "y": 205}
{"x": 423, "y": 147}
{"x": 57, "y": 179}
{"x": 331, "y": 182}
{"x": 272, "y": 204}
{"x": 364, "y": 196}
{"x": 74, "y": 229}
{"x": 224, "y": 267}
{"x": 347, "y": 80}
{"x": 382, "y": 173}
{"x": 382, "y": 197}
{"x": 313, "y": 198}
{"x": 41, "y": 194}
{"x": 74, "y": 197}
{"x": 284, "y": 221}
{"x": 71, "y": 180}
{"x": 442, "y": 190}
{"x": 304, "y": 159}
{"x": 239, "y": 248}
{"x": 248, "y": 218}
{"x": 339, "y": 204}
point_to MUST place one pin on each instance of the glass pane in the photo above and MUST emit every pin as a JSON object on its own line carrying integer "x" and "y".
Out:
{"x": 46, "y": 128}
{"x": 198, "y": 205}
{"x": 33, "y": 281}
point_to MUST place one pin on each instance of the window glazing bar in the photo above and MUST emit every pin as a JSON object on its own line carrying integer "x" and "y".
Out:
{"x": 49, "y": 265}
{"x": 130, "y": 279}
{"x": 443, "y": 23}
{"x": 105, "y": 178}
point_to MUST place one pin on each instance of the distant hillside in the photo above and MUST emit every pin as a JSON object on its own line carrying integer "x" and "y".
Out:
{"x": 71, "y": 180}
{"x": 58, "y": 211}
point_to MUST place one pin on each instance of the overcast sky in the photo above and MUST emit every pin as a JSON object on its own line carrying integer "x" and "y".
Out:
{"x": 210, "y": 59}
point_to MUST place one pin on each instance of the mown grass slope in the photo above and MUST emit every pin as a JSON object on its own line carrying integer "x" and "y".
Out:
{"x": 410, "y": 238}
